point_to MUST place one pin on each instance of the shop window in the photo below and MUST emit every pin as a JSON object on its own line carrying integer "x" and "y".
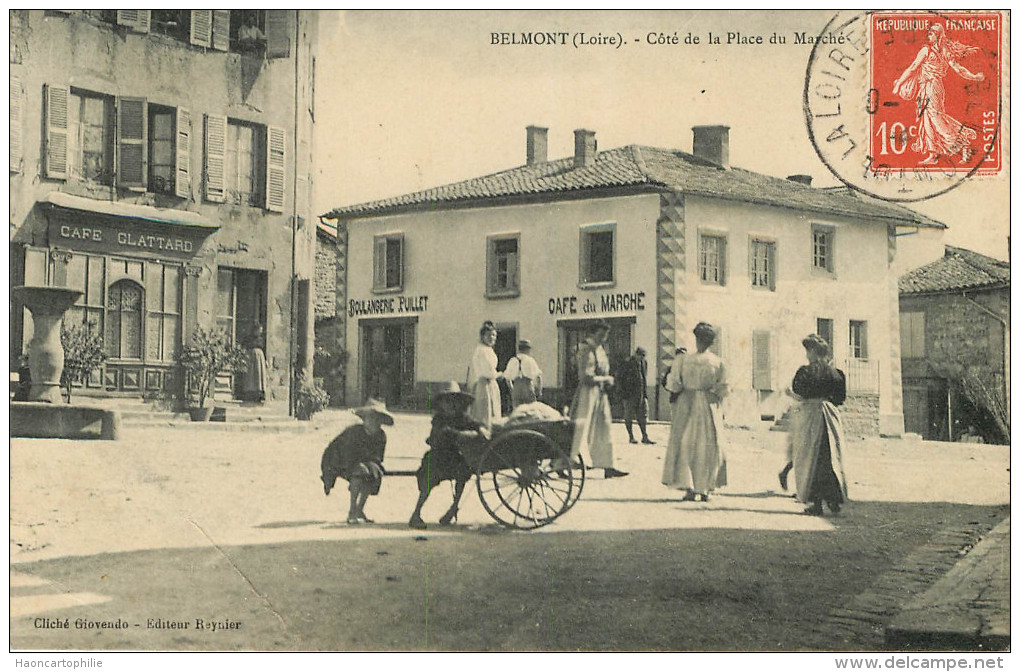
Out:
{"x": 823, "y": 240}
{"x": 163, "y": 311}
{"x": 712, "y": 259}
{"x": 503, "y": 266}
{"x": 912, "y": 334}
{"x": 597, "y": 254}
{"x": 388, "y": 263}
{"x": 124, "y": 320}
{"x": 763, "y": 264}
{"x": 858, "y": 339}
{"x": 87, "y": 274}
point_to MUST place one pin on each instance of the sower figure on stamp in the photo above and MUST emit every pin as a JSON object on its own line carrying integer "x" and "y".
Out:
{"x": 457, "y": 440}
{"x": 938, "y": 134}
{"x": 633, "y": 386}
{"x": 356, "y": 455}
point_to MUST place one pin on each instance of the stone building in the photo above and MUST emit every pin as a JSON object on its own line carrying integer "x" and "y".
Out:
{"x": 160, "y": 162}
{"x": 954, "y": 328}
{"x": 330, "y": 357}
{"x": 653, "y": 240}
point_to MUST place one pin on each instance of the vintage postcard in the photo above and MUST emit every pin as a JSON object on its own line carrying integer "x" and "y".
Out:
{"x": 506, "y": 331}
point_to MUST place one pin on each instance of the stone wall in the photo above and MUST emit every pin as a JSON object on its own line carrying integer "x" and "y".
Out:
{"x": 326, "y": 257}
{"x": 860, "y": 416}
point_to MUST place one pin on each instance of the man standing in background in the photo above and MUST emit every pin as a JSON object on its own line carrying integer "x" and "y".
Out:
{"x": 633, "y": 382}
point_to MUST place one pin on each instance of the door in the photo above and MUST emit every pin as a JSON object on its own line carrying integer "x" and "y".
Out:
{"x": 506, "y": 349}
{"x": 387, "y": 362}
{"x": 915, "y": 411}
{"x": 617, "y": 346}
{"x": 241, "y": 312}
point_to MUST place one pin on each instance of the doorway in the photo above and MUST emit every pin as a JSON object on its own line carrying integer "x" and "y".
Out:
{"x": 618, "y": 348}
{"x": 241, "y": 309}
{"x": 387, "y": 362}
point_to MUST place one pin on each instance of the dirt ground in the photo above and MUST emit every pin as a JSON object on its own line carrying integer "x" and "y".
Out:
{"x": 183, "y": 525}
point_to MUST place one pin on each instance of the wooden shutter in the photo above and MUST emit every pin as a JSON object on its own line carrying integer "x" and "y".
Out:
{"x": 276, "y": 168}
{"x": 182, "y": 147}
{"x": 16, "y": 124}
{"x": 379, "y": 263}
{"x": 202, "y": 27}
{"x": 57, "y": 98}
{"x": 135, "y": 19}
{"x": 132, "y": 121}
{"x": 278, "y": 33}
{"x": 221, "y": 29}
{"x": 761, "y": 360}
{"x": 215, "y": 156}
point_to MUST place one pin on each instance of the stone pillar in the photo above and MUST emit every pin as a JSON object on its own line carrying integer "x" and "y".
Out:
{"x": 671, "y": 299}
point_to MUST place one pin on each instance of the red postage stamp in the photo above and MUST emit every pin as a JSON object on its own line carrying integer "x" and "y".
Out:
{"x": 936, "y": 90}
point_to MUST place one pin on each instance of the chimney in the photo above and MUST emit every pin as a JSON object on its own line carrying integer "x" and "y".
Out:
{"x": 712, "y": 143}
{"x": 800, "y": 179}
{"x": 538, "y": 145}
{"x": 585, "y": 148}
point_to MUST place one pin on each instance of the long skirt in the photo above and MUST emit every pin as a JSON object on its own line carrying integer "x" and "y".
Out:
{"x": 695, "y": 459}
{"x": 817, "y": 441}
{"x": 486, "y": 406}
{"x": 593, "y": 420}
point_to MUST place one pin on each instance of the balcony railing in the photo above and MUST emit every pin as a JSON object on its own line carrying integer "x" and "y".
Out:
{"x": 861, "y": 376}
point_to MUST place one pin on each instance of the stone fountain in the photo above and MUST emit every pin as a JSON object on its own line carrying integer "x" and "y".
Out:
{"x": 45, "y": 415}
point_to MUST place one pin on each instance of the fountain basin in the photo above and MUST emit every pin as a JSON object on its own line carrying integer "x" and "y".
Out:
{"x": 43, "y": 420}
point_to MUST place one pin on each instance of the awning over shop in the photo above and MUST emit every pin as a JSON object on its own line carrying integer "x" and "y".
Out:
{"x": 149, "y": 213}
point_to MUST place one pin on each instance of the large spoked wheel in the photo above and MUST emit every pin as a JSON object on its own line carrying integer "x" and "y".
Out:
{"x": 525, "y": 481}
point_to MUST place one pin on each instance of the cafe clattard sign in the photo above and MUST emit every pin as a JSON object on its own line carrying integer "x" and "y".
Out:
{"x": 126, "y": 236}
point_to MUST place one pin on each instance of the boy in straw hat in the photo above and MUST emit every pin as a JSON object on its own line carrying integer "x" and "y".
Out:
{"x": 455, "y": 435}
{"x": 356, "y": 455}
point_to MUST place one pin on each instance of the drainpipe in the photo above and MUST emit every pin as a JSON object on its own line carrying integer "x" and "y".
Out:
{"x": 292, "y": 353}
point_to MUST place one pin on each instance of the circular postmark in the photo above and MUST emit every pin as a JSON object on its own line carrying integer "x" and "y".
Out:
{"x": 905, "y": 106}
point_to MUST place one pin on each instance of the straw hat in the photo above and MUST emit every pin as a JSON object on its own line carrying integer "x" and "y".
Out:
{"x": 451, "y": 389}
{"x": 379, "y": 408}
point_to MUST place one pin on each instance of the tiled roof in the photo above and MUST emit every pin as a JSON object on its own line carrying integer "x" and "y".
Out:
{"x": 958, "y": 269}
{"x": 636, "y": 166}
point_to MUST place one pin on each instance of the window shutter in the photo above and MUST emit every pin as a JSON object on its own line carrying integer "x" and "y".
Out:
{"x": 135, "y": 19}
{"x": 131, "y": 142}
{"x": 401, "y": 259}
{"x": 221, "y": 29}
{"x": 201, "y": 27}
{"x": 490, "y": 265}
{"x": 16, "y": 124}
{"x": 722, "y": 260}
{"x": 56, "y": 131}
{"x": 276, "y": 168}
{"x": 215, "y": 155}
{"x": 278, "y": 33}
{"x": 379, "y": 264}
{"x": 761, "y": 360}
{"x": 773, "y": 268}
{"x": 182, "y": 147}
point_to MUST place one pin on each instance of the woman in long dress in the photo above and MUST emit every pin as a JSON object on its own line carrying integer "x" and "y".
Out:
{"x": 482, "y": 378}
{"x": 817, "y": 430}
{"x": 590, "y": 409}
{"x": 695, "y": 460}
{"x": 938, "y": 134}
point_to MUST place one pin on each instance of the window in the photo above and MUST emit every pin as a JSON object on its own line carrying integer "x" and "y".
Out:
{"x": 248, "y": 30}
{"x": 175, "y": 23}
{"x": 763, "y": 264}
{"x": 388, "y": 271}
{"x": 163, "y": 299}
{"x": 712, "y": 259}
{"x": 503, "y": 262}
{"x": 93, "y": 122}
{"x": 244, "y": 166}
{"x": 824, "y": 328}
{"x": 597, "y": 255}
{"x": 822, "y": 247}
{"x": 858, "y": 339}
{"x": 761, "y": 360}
{"x": 124, "y": 320}
{"x": 161, "y": 149}
{"x": 912, "y": 334}
{"x": 87, "y": 274}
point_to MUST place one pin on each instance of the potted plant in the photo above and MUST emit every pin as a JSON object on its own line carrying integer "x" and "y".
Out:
{"x": 208, "y": 353}
{"x": 83, "y": 353}
{"x": 311, "y": 398}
